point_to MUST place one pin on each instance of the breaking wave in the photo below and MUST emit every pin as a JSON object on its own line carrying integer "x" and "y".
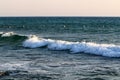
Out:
{"x": 32, "y": 41}
{"x": 11, "y": 37}
{"x": 108, "y": 50}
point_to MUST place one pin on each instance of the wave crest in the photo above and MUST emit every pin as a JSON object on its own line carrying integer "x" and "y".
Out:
{"x": 9, "y": 37}
{"x": 108, "y": 50}
{"x": 32, "y": 41}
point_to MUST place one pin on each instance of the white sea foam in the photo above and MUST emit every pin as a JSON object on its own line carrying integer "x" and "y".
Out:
{"x": 15, "y": 66}
{"x": 34, "y": 42}
{"x": 7, "y": 34}
{"x": 59, "y": 45}
{"x": 1, "y": 32}
{"x": 98, "y": 49}
{"x": 108, "y": 50}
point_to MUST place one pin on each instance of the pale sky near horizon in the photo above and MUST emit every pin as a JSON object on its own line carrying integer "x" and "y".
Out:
{"x": 59, "y": 7}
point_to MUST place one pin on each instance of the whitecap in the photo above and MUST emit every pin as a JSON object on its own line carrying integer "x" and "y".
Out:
{"x": 7, "y": 34}
{"x": 108, "y": 50}
{"x": 34, "y": 42}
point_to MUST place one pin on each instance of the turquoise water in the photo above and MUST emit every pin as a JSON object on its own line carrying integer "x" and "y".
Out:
{"x": 60, "y": 48}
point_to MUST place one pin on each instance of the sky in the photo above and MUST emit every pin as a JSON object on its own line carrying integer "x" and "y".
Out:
{"x": 59, "y": 7}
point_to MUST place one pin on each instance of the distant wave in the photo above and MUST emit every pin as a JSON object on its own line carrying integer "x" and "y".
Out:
{"x": 32, "y": 41}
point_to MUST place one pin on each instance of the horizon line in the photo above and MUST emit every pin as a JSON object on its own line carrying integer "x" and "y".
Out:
{"x": 59, "y": 16}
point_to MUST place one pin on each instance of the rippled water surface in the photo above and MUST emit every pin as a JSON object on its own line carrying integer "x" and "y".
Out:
{"x": 60, "y": 48}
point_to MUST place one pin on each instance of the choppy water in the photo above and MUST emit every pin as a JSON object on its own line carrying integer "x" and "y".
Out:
{"x": 60, "y": 48}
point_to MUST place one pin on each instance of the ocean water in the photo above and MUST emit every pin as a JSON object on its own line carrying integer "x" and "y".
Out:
{"x": 60, "y": 48}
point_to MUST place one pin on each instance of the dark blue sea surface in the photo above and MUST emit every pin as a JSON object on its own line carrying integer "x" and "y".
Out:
{"x": 60, "y": 48}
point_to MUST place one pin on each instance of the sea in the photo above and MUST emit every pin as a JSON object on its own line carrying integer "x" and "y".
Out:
{"x": 60, "y": 48}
